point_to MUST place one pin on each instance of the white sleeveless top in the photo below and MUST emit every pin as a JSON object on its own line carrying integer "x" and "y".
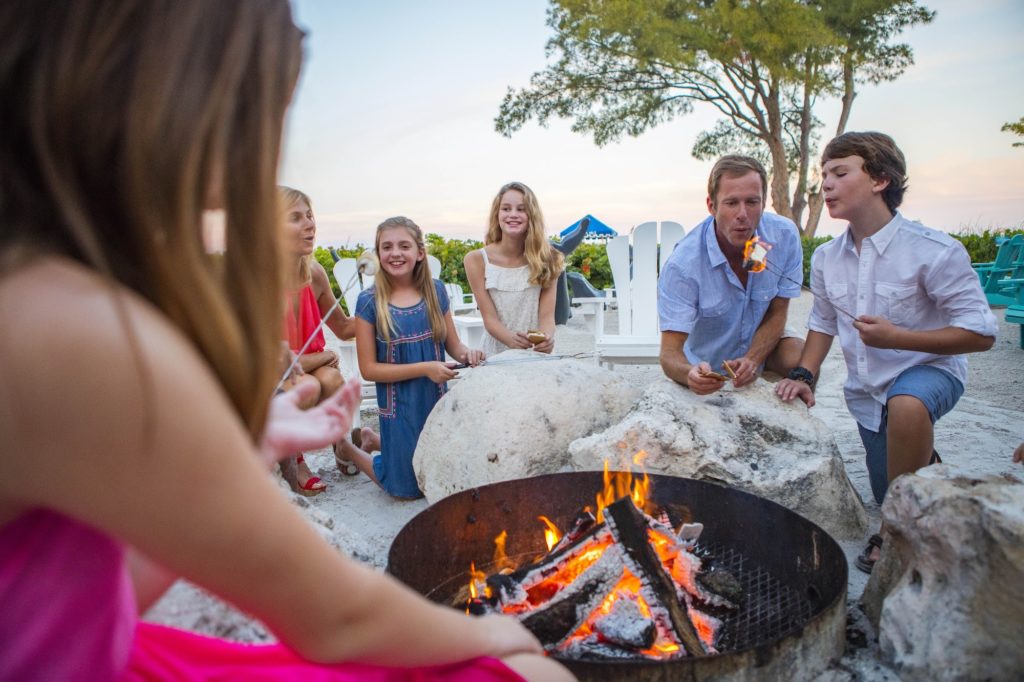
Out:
{"x": 516, "y": 300}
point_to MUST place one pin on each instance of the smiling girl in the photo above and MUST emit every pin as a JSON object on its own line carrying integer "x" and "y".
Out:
{"x": 403, "y": 327}
{"x": 513, "y": 276}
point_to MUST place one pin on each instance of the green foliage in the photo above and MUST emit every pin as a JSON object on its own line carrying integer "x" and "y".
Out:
{"x": 1015, "y": 128}
{"x": 451, "y": 252}
{"x": 621, "y": 67}
{"x": 809, "y": 245}
{"x": 981, "y": 246}
{"x": 591, "y": 259}
{"x": 323, "y": 256}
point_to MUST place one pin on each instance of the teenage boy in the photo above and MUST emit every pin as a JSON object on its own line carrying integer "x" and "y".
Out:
{"x": 916, "y": 304}
{"x": 711, "y": 310}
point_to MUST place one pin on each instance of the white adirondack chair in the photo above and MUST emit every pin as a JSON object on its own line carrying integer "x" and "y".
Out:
{"x": 636, "y": 261}
{"x": 352, "y": 284}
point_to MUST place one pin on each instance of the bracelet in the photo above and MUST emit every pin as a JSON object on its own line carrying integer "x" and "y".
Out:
{"x": 801, "y": 374}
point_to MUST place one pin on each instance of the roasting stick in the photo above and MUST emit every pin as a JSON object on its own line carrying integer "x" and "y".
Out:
{"x": 751, "y": 263}
{"x": 365, "y": 265}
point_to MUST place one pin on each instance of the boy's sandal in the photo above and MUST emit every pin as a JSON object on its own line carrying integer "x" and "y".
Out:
{"x": 310, "y": 488}
{"x": 864, "y": 561}
{"x": 346, "y": 466}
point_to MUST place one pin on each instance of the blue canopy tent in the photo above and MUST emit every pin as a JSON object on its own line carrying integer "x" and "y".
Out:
{"x": 596, "y": 229}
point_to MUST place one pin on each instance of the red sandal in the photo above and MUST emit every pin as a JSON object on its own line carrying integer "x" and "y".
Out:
{"x": 309, "y": 488}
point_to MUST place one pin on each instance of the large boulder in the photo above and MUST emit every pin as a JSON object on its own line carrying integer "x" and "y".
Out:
{"x": 947, "y": 593}
{"x": 506, "y": 421}
{"x": 746, "y": 438}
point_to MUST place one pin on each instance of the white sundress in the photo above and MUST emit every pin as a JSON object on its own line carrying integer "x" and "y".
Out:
{"x": 516, "y": 300}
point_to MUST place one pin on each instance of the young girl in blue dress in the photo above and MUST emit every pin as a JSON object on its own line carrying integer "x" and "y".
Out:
{"x": 403, "y": 328}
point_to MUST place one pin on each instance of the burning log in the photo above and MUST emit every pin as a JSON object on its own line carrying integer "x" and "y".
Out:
{"x": 626, "y": 626}
{"x": 630, "y": 527}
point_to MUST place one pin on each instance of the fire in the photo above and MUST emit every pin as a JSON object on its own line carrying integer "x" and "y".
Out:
{"x": 551, "y": 532}
{"x": 755, "y": 254}
{"x": 501, "y": 560}
{"x": 477, "y": 577}
{"x": 618, "y": 484}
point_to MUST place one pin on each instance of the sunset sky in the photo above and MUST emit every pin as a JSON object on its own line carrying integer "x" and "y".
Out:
{"x": 394, "y": 115}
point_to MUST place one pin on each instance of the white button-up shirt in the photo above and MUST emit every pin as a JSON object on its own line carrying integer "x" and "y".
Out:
{"x": 916, "y": 277}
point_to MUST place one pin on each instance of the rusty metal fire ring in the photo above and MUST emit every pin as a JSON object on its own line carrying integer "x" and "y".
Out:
{"x": 793, "y": 573}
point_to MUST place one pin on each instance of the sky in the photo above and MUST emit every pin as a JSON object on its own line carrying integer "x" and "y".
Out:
{"x": 394, "y": 115}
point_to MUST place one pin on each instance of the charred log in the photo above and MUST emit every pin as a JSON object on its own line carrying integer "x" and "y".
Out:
{"x": 626, "y": 626}
{"x": 629, "y": 526}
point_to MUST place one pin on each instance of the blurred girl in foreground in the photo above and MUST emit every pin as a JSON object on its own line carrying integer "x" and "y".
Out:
{"x": 123, "y": 121}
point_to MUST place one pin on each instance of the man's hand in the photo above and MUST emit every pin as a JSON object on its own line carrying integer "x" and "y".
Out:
{"x": 1018, "y": 454}
{"x": 787, "y": 389}
{"x": 702, "y": 380}
{"x": 290, "y": 430}
{"x": 744, "y": 369}
{"x": 877, "y": 332}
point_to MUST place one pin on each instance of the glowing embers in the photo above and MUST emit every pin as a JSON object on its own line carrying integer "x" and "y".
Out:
{"x": 618, "y": 585}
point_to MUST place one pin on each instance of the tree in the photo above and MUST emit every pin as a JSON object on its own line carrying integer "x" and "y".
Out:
{"x": 1015, "y": 128}
{"x": 623, "y": 66}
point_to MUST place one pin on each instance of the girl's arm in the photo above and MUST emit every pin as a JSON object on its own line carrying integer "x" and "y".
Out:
{"x": 158, "y": 459}
{"x": 546, "y": 317}
{"x": 343, "y": 326}
{"x": 389, "y": 373}
{"x": 458, "y": 350}
{"x": 474, "y": 264}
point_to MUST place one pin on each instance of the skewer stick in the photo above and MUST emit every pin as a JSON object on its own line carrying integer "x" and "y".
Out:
{"x": 365, "y": 266}
{"x": 729, "y": 370}
{"x": 806, "y": 288}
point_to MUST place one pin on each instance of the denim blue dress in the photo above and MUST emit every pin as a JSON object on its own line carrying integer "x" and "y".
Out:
{"x": 404, "y": 405}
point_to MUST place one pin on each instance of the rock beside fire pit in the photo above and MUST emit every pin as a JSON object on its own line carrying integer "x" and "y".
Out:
{"x": 502, "y": 422}
{"x": 745, "y": 438}
{"x": 947, "y": 594}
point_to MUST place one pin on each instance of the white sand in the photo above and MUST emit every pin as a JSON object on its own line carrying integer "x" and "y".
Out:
{"x": 977, "y": 437}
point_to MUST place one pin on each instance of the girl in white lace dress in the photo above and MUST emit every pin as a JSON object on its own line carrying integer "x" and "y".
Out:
{"x": 513, "y": 277}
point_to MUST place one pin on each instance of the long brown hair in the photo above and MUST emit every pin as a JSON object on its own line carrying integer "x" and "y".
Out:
{"x": 421, "y": 278}
{"x": 545, "y": 262}
{"x": 123, "y": 120}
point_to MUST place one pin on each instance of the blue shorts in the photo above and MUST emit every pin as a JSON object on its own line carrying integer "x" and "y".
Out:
{"x": 937, "y": 389}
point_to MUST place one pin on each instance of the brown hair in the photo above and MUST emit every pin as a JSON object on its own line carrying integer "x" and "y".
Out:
{"x": 544, "y": 260}
{"x": 123, "y": 121}
{"x": 304, "y": 275}
{"x": 421, "y": 278}
{"x": 734, "y": 166}
{"x": 883, "y": 160}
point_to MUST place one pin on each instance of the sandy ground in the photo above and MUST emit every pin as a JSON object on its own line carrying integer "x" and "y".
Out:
{"x": 977, "y": 437}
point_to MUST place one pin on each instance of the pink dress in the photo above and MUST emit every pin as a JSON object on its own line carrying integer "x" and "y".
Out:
{"x": 67, "y": 612}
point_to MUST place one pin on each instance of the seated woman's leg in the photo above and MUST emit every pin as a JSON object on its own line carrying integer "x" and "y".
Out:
{"x": 295, "y": 470}
{"x": 330, "y": 380}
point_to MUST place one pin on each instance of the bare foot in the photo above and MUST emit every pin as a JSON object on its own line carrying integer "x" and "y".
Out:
{"x": 370, "y": 439}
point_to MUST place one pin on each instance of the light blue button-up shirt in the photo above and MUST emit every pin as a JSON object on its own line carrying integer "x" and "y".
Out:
{"x": 700, "y": 295}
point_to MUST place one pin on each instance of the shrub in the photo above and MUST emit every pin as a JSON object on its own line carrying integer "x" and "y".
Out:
{"x": 809, "y": 245}
{"x": 981, "y": 246}
{"x": 451, "y": 252}
{"x": 591, "y": 260}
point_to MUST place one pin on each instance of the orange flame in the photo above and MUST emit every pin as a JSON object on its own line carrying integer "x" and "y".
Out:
{"x": 618, "y": 484}
{"x": 501, "y": 559}
{"x": 755, "y": 254}
{"x": 475, "y": 577}
{"x": 551, "y": 532}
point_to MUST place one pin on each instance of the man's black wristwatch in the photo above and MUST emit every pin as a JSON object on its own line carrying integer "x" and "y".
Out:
{"x": 801, "y": 374}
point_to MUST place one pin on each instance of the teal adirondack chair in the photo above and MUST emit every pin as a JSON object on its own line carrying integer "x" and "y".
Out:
{"x": 1003, "y": 279}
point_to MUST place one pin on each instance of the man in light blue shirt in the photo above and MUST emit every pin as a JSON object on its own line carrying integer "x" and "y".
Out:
{"x": 717, "y": 317}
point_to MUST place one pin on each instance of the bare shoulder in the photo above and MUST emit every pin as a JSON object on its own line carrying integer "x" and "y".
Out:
{"x": 86, "y": 368}
{"x": 473, "y": 258}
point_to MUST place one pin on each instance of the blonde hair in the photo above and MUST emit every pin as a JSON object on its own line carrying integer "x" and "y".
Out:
{"x": 290, "y": 197}
{"x": 545, "y": 262}
{"x": 421, "y": 279}
{"x": 120, "y": 126}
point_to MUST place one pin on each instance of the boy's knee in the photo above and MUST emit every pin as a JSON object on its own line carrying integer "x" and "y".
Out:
{"x": 904, "y": 409}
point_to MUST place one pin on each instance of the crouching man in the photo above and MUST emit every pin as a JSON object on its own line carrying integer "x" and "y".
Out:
{"x": 717, "y": 319}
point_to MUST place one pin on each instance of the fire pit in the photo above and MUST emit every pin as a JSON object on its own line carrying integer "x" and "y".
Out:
{"x": 790, "y": 620}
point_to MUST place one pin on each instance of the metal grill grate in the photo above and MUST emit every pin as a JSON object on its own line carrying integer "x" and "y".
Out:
{"x": 770, "y": 608}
